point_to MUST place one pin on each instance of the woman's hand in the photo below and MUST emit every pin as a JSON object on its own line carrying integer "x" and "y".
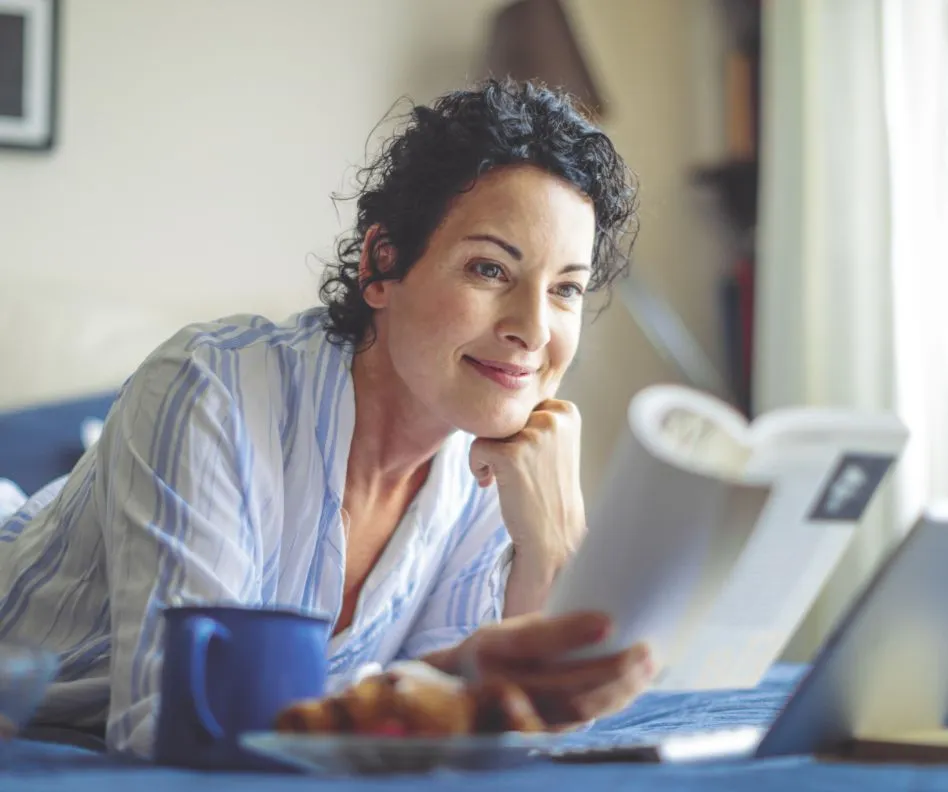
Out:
{"x": 538, "y": 482}
{"x": 529, "y": 652}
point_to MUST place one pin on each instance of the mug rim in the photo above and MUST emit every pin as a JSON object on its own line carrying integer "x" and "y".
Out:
{"x": 211, "y": 608}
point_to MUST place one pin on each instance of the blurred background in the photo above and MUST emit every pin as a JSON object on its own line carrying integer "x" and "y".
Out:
{"x": 791, "y": 154}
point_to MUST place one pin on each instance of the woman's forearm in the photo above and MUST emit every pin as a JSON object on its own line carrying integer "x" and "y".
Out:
{"x": 529, "y": 583}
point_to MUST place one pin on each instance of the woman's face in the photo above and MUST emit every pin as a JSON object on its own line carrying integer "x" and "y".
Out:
{"x": 487, "y": 321}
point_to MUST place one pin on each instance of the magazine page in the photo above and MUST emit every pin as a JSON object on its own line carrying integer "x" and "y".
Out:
{"x": 671, "y": 520}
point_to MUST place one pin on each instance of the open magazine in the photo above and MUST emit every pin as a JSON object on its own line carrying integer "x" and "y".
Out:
{"x": 712, "y": 537}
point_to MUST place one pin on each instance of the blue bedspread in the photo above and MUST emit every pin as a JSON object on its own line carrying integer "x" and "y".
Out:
{"x": 34, "y": 767}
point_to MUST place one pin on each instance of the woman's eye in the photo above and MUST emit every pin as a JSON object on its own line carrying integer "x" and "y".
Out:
{"x": 489, "y": 270}
{"x": 569, "y": 291}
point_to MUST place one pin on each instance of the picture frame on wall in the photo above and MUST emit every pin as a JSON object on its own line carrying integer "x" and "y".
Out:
{"x": 28, "y": 73}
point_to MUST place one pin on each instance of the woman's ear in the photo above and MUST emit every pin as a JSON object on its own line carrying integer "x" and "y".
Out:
{"x": 377, "y": 256}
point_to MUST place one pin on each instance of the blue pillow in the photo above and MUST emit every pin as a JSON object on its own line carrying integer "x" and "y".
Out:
{"x": 42, "y": 443}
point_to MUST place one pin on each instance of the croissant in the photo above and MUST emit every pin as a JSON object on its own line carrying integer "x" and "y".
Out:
{"x": 430, "y": 709}
{"x": 360, "y": 709}
{"x": 388, "y": 704}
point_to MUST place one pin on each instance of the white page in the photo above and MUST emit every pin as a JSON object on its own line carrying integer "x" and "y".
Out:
{"x": 664, "y": 535}
{"x": 670, "y": 553}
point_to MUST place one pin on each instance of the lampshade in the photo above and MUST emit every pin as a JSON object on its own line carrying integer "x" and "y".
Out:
{"x": 533, "y": 40}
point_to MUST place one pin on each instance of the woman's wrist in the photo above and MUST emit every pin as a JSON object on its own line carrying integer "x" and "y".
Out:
{"x": 532, "y": 575}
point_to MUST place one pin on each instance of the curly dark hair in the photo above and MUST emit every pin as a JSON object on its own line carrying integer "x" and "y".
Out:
{"x": 406, "y": 190}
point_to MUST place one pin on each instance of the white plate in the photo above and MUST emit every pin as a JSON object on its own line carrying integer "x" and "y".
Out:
{"x": 347, "y": 753}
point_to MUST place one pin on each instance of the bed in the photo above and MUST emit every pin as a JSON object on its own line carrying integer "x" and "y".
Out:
{"x": 29, "y": 766}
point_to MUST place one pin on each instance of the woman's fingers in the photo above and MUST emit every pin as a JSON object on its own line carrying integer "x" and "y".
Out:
{"x": 571, "y": 692}
{"x": 570, "y": 705}
{"x": 570, "y": 711}
{"x": 529, "y": 653}
{"x": 590, "y": 675}
{"x": 534, "y": 639}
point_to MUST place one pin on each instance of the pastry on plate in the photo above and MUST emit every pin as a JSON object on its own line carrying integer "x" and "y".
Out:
{"x": 415, "y": 704}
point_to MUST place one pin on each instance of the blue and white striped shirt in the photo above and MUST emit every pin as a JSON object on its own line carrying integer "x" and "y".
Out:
{"x": 219, "y": 476}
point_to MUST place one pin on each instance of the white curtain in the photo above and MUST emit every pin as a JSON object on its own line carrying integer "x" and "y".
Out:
{"x": 915, "y": 65}
{"x": 852, "y": 257}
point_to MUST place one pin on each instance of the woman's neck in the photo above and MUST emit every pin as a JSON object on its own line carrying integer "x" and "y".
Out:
{"x": 395, "y": 437}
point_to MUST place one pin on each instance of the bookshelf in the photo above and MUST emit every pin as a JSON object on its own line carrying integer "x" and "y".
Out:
{"x": 733, "y": 178}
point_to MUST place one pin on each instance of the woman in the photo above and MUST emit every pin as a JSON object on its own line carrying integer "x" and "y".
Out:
{"x": 398, "y": 459}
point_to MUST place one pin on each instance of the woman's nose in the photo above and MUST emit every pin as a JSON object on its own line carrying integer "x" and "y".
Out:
{"x": 527, "y": 322}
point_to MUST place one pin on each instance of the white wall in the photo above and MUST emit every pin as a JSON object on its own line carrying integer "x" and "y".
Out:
{"x": 200, "y": 141}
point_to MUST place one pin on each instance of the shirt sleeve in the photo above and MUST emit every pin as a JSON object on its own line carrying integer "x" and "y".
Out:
{"x": 469, "y": 591}
{"x": 175, "y": 495}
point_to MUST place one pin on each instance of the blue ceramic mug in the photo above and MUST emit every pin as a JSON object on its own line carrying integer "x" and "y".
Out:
{"x": 228, "y": 670}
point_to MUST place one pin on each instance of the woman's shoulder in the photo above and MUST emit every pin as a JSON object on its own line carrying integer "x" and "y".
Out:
{"x": 241, "y": 348}
{"x": 242, "y": 333}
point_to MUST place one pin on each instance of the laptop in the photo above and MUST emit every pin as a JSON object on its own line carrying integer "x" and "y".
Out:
{"x": 882, "y": 672}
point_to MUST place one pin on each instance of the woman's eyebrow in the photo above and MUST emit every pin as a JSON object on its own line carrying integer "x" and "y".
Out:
{"x": 575, "y": 268}
{"x": 512, "y": 250}
{"x": 516, "y": 253}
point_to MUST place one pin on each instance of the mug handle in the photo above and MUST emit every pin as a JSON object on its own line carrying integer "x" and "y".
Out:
{"x": 201, "y": 631}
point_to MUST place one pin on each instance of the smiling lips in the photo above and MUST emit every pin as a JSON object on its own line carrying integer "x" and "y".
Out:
{"x": 507, "y": 375}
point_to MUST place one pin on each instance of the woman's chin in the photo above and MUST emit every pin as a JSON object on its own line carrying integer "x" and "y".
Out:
{"x": 494, "y": 427}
